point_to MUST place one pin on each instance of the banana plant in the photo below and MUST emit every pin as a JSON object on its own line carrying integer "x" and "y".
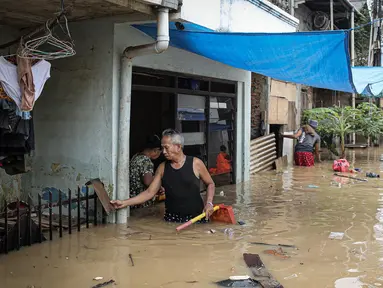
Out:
{"x": 334, "y": 121}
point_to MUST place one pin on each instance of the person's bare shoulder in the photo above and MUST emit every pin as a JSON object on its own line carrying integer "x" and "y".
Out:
{"x": 198, "y": 162}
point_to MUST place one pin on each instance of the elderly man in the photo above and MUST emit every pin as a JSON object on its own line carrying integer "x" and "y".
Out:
{"x": 180, "y": 176}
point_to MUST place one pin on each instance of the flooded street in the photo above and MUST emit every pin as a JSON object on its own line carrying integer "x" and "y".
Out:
{"x": 300, "y": 207}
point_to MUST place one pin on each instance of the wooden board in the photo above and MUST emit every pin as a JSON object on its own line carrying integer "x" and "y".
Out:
{"x": 260, "y": 272}
{"x": 102, "y": 195}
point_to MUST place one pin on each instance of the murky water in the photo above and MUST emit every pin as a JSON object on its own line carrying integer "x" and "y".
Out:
{"x": 279, "y": 209}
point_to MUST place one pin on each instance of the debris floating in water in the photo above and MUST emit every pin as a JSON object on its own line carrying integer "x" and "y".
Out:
{"x": 98, "y": 278}
{"x": 239, "y": 283}
{"x": 131, "y": 259}
{"x": 104, "y": 284}
{"x": 354, "y": 178}
{"x": 336, "y": 235}
{"x": 291, "y": 277}
{"x": 313, "y": 186}
{"x": 278, "y": 252}
{"x": 268, "y": 244}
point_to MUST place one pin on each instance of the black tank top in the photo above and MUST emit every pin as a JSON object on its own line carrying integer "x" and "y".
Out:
{"x": 182, "y": 190}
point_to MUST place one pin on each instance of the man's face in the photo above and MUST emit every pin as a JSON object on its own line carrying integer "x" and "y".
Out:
{"x": 169, "y": 149}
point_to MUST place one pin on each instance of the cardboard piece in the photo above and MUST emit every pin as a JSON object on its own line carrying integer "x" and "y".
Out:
{"x": 102, "y": 194}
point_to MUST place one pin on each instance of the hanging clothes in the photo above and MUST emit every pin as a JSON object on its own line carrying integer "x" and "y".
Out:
{"x": 9, "y": 79}
{"x": 27, "y": 87}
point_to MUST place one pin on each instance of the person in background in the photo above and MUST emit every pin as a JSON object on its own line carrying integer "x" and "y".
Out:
{"x": 141, "y": 170}
{"x": 308, "y": 144}
{"x": 223, "y": 161}
{"x": 180, "y": 176}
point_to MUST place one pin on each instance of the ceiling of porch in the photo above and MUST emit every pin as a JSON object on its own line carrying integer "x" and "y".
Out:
{"x": 30, "y": 13}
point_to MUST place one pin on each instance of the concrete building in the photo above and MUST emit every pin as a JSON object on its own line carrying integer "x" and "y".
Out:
{"x": 81, "y": 129}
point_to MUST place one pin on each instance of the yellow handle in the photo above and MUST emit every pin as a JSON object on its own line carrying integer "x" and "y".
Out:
{"x": 195, "y": 219}
{"x": 203, "y": 215}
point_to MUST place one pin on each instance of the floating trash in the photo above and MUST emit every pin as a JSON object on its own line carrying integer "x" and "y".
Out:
{"x": 336, "y": 235}
{"x": 313, "y": 186}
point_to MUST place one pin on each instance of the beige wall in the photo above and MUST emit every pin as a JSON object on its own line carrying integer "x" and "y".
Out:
{"x": 281, "y": 93}
{"x": 278, "y": 110}
{"x": 283, "y": 89}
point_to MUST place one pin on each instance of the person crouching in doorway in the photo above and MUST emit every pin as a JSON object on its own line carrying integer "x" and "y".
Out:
{"x": 141, "y": 170}
{"x": 308, "y": 144}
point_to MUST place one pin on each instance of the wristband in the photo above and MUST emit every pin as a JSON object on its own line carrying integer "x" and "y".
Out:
{"x": 211, "y": 204}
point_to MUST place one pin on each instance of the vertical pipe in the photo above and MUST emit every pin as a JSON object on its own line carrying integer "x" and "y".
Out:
{"x": 207, "y": 119}
{"x": 353, "y": 59}
{"x": 70, "y": 211}
{"x": 40, "y": 212}
{"x": 78, "y": 209}
{"x": 60, "y": 215}
{"x": 29, "y": 220}
{"x": 161, "y": 44}
{"x": 87, "y": 206}
{"x": 124, "y": 134}
{"x": 95, "y": 208}
{"x": 292, "y": 4}
{"x": 332, "y": 14}
{"x": 6, "y": 227}
{"x": 50, "y": 217}
{"x": 18, "y": 223}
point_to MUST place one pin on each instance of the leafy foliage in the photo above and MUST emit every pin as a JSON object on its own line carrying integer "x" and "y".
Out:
{"x": 362, "y": 37}
{"x": 370, "y": 122}
{"x": 366, "y": 119}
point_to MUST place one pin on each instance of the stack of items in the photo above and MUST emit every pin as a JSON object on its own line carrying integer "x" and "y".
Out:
{"x": 21, "y": 83}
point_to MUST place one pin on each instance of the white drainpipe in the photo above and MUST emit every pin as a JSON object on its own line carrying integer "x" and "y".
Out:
{"x": 161, "y": 44}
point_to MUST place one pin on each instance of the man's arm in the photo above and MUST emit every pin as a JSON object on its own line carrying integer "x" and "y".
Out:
{"x": 317, "y": 148}
{"x": 295, "y": 136}
{"x": 204, "y": 175}
{"x": 143, "y": 196}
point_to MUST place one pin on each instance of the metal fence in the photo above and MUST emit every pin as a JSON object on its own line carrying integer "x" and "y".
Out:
{"x": 22, "y": 224}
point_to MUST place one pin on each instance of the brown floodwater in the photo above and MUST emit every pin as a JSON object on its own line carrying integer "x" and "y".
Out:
{"x": 277, "y": 208}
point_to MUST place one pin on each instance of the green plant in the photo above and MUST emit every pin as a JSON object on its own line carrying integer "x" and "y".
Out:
{"x": 334, "y": 121}
{"x": 370, "y": 122}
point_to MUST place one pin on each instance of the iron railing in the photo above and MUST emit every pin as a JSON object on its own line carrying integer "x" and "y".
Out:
{"x": 22, "y": 224}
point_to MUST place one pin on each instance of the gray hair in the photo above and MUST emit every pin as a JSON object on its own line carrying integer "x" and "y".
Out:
{"x": 176, "y": 136}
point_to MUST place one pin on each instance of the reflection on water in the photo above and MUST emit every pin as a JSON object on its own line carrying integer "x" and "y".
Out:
{"x": 301, "y": 207}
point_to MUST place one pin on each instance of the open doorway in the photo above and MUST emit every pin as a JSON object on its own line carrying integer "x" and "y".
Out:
{"x": 277, "y": 130}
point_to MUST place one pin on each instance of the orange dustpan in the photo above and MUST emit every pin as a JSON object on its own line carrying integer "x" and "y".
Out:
{"x": 222, "y": 213}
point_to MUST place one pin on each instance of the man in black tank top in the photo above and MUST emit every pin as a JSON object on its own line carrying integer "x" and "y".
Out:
{"x": 180, "y": 175}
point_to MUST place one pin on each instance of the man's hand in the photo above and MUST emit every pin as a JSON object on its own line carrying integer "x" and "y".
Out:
{"x": 161, "y": 191}
{"x": 209, "y": 209}
{"x": 118, "y": 204}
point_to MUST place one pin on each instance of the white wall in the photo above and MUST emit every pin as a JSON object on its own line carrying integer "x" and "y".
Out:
{"x": 181, "y": 61}
{"x": 73, "y": 117}
{"x": 237, "y": 16}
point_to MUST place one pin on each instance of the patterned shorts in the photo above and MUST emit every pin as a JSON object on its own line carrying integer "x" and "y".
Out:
{"x": 304, "y": 158}
{"x": 173, "y": 217}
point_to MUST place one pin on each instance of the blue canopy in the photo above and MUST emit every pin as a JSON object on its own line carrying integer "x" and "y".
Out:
{"x": 317, "y": 59}
{"x": 368, "y": 81}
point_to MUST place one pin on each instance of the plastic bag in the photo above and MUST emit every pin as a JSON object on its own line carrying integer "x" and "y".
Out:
{"x": 341, "y": 165}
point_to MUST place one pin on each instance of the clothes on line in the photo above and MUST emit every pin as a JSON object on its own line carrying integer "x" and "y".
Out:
{"x": 25, "y": 79}
{"x": 16, "y": 133}
{"x": 9, "y": 78}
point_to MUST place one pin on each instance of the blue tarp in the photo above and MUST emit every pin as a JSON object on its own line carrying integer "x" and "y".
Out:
{"x": 368, "y": 81}
{"x": 317, "y": 59}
